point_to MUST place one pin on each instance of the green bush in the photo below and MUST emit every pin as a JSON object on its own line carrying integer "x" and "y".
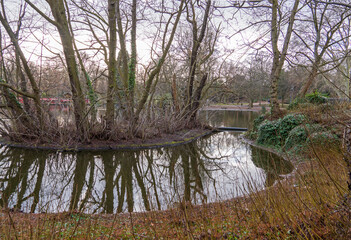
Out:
{"x": 288, "y": 123}
{"x": 316, "y": 97}
{"x": 296, "y": 140}
{"x": 252, "y": 134}
{"x": 257, "y": 122}
{"x": 274, "y": 133}
{"x": 323, "y": 138}
{"x": 268, "y": 133}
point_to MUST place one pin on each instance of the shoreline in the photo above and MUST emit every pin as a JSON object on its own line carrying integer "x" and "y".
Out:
{"x": 243, "y": 108}
{"x": 172, "y": 140}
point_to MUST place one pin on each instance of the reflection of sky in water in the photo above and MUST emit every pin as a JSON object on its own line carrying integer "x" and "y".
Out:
{"x": 214, "y": 168}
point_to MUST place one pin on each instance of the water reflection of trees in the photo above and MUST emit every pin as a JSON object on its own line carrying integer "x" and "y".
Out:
{"x": 105, "y": 182}
{"x": 273, "y": 165}
{"x": 126, "y": 180}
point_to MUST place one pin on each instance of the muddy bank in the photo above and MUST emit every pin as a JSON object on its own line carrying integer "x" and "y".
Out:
{"x": 166, "y": 140}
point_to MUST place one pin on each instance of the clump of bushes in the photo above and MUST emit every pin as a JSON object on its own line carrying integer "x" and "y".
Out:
{"x": 315, "y": 98}
{"x": 296, "y": 140}
{"x": 268, "y": 133}
{"x": 292, "y": 133}
{"x": 288, "y": 123}
{"x": 323, "y": 138}
{"x": 274, "y": 133}
{"x": 256, "y": 123}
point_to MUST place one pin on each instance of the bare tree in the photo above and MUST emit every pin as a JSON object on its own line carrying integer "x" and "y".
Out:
{"x": 58, "y": 10}
{"x": 20, "y": 55}
{"x": 326, "y": 21}
{"x": 279, "y": 56}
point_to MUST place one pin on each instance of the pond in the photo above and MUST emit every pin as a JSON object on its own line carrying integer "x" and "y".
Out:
{"x": 215, "y": 168}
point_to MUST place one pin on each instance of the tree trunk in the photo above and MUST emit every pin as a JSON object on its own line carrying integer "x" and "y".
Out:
{"x": 112, "y": 64}
{"x": 311, "y": 77}
{"x": 175, "y": 94}
{"x": 132, "y": 64}
{"x": 197, "y": 96}
{"x": 59, "y": 12}
{"x": 195, "y": 49}
{"x": 279, "y": 56}
{"x": 251, "y": 103}
{"x": 274, "y": 93}
{"x": 36, "y": 91}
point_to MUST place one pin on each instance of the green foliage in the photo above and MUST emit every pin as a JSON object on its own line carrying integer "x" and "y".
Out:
{"x": 323, "y": 138}
{"x": 258, "y": 121}
{"x": 274, "y": 133}
{"x": 263, "y": 110}
{"x": 316, "y": 97}
{"x": 131, "y": 74}
{"x": 91, "y": 93}
{"x": 296, "y": 140}
{"x": 252, "y": 134}
{"x": 310, "y": 98}
{"x": 268, "y": 133}
{"x": 288, "y": 123}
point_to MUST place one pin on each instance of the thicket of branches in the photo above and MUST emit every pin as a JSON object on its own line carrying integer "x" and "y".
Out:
{"x": 138, "y": 68}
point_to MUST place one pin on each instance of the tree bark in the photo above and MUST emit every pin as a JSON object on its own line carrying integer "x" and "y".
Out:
{"x": 310, "y": 79}
{"x": 112, "y": 64}
{"x": 279, "y": 56}
{"x": 197, "y": 96}
{"x": 132, "y": 64}
{"x": 197, "y": 40}
{"x": 59, "y": 12}
{"x": 175, "y": 94}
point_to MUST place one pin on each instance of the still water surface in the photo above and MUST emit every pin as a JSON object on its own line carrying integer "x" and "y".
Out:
{"x": 214, "y": 168}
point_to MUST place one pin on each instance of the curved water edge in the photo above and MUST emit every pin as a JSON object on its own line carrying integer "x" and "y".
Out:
{"x": 294, "y": 159}
{"x": 214, "y": 168}
{"x": 108, "y": 146}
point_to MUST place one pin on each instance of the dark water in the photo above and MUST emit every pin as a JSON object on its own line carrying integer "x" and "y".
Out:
{"x": 214, "y": 168}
